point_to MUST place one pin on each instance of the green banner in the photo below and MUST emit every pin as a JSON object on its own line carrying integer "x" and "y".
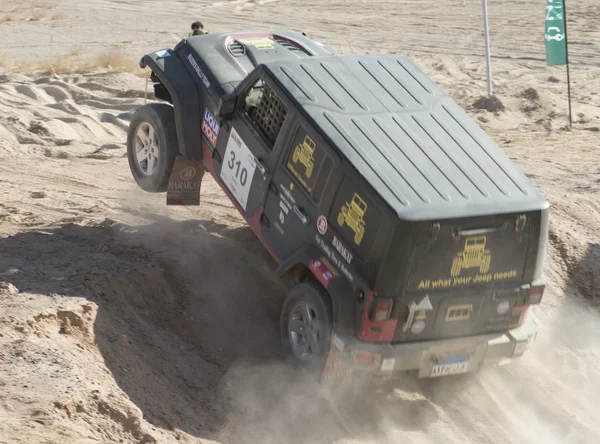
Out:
{"x": 556, "y": 42}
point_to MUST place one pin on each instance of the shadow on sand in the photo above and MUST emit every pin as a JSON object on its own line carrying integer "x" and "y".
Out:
{"x": 188, "y": 325}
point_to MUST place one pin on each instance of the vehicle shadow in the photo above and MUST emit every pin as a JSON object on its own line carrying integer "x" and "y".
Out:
{"x": 188, "y": 325}
{"x": 585, "y": 276}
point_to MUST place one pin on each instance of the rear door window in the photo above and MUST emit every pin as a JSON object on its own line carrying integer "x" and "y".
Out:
{"x": 355, "y": 216}
{"x": 308, "y": 162}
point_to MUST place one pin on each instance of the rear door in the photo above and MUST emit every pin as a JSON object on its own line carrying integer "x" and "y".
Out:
{"x": 293, "y": 202}
{"x": 464, "y": 277}
{"x": 488, "y": 250}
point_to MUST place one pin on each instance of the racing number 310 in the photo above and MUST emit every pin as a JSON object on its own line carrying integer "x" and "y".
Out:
{"x": 240, "y": 172}
{"x": 238, "y": 168}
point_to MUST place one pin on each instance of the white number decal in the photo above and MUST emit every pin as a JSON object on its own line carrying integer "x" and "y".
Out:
{"x": 238, "y": 169}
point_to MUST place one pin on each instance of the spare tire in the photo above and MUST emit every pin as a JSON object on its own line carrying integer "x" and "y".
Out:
{"x": 152, "y": 146}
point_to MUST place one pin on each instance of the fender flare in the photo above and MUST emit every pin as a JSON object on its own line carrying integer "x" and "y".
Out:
{"x": 343, "y": 293}
{"x": 184, "y": 93}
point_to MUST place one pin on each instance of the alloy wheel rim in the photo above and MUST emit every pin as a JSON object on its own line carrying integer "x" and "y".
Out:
{"x": 304, "y": 331}
{"x": 146, "y": 148}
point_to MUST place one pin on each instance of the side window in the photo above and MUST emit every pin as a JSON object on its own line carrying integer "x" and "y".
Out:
{"x": 355, "y": 217}
{"x": 308, "y": 162}
{"x": 265, "y": 109}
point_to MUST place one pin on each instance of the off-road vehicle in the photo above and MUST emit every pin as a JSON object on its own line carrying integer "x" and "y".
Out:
{"x": 412, "y": 241}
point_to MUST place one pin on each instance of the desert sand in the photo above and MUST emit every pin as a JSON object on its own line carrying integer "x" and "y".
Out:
{"x": 123, "y": 320}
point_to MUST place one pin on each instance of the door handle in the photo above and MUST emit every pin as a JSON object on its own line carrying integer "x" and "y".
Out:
{"x": 458, "y": 233}
{"x": 303, "y": 217}
{"x": 263, "y": 169}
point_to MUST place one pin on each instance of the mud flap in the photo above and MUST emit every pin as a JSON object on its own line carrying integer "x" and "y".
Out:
{"x": 336, "y": 372}
{"x": 184, "y": 183}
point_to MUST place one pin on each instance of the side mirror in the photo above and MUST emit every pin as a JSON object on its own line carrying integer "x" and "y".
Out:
{"x": 226, "y": 107}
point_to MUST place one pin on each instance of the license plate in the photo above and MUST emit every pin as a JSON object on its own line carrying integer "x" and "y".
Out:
{"x": 451, "y": 366}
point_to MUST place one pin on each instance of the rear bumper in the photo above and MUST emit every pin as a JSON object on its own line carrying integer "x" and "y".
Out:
{"x": 474, "y": 352}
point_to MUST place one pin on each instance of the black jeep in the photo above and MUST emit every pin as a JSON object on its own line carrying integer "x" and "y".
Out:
{"x": 413, "y": 242}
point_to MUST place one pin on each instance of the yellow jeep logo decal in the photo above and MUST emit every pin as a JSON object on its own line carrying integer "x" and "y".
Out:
{"x": 304, "y": 153}
{"x": 474, "y": 255}
{"x": 352, "y": 213}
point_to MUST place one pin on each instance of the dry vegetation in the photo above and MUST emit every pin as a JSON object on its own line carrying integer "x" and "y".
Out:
{"x": 43, "y": 5}
{"x": 75, "y": 62}
{"x": 25, "y": 10}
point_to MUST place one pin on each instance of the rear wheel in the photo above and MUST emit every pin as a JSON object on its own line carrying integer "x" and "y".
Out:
{"x": 306, "y": 326}
{"x": 152, "y": 146}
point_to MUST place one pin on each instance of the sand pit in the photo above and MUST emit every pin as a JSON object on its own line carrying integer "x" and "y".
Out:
{"x": 123, "y": 320}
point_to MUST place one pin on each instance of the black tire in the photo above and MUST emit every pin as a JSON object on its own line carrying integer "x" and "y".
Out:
{"x": 307, "y": 294}
{"x": 161, "y": 118}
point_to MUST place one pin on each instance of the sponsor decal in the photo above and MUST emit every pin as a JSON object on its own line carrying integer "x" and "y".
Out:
{"x": 163, "y": 53}
{"x": 304, "y": 159}
{"x": 473, "y": 255}
{"x": 417, "y": 311}
{"x": 352, "y": 214}
{"x": 322, "y": 224}
{"x": 333, "y": 257}
{"x": 285, "y": 192}
{"x": 285, "y": 203}
{"x": 198, "y": 70}
{"x": 304, "y": 154}
{"x": 281, "y": 217}
{"x": 323, "y": 270}
{"x": 284, "y": 207}
{"x": 425, "y": 304}
{"x": 420, "y": 309}
{"x": 337, "y": 244}
{"x": 210, "y": 127}
{"x": 188, "y": 173}
{"x": 428, "y": 284}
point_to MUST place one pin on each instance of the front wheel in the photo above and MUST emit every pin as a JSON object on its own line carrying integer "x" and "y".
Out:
{"x": 152, "y": 146}
{"x": 306, "y": 326}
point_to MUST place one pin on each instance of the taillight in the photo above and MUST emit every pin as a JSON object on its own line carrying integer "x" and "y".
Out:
{"x": 381, "y": 309}
{"x": 535, "y": 294}
{"x": 521, "y": 314}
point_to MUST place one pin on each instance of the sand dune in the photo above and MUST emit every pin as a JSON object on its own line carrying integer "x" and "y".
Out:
{"x": 123, "y": 320}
